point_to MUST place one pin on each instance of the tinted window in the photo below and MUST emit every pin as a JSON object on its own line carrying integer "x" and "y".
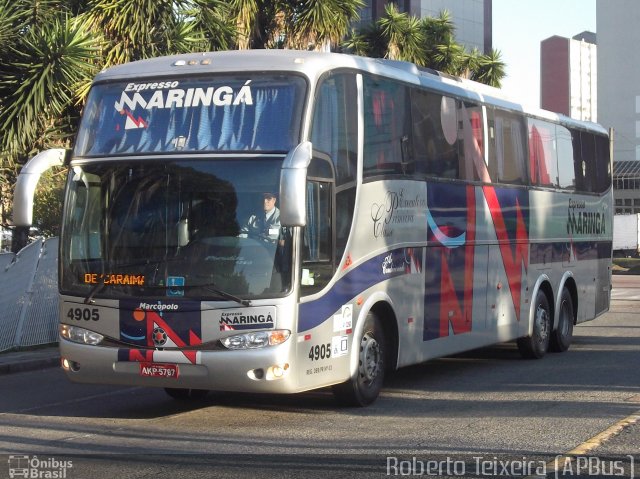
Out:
{"x": 584, "y": 159}
{"x": 435, "y": 137}
{"x": 603, "y": 163}
{"x": 223, "y": 113}
{"x": 542, "y": 153}
{"x": 335, "y": 124}
{"x": 507, "y": 140}
{"x": 471, "y": 126}
{"x": 566, "y": 171}
{"x": 386, "y": 127}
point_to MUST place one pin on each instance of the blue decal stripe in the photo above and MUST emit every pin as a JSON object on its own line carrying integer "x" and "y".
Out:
{"x": 134, "y": 338}
{"x": 357, "y": 280}
{"x": 442, "y": 238}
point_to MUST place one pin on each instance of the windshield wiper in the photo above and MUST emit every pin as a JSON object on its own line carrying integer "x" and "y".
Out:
{"x": 232, "y": 297}
{"x": 93, "y": 291}
{"x": 214, "y": 289}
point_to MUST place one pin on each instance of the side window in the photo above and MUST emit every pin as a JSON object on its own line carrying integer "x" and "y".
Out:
{"x": 543, "y": 161}
{"x": 507, "y": 144}
{"x": 566, "y": 171}
{"x": 317, "y": 264}
{"x": 435, "y": 138}
{"x": 345, "y": 205}
{"x": 86, "y": 243}
{"x": 603, "y": 163}
{"x": 471, "y": 126}
{"x": 386, "y": 127}
{"x": 584, "y": 160}
{"x": 589, "y": 158}
{"x": 335, "y": 124}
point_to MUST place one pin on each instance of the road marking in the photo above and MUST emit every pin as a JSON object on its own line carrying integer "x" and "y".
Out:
{"x": 605, "y": 435}
{"x": 589, "y": 445}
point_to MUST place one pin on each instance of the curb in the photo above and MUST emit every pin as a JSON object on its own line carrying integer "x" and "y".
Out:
{"x": 24, "y": 361}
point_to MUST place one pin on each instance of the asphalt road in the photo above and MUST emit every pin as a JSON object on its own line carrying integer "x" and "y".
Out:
{"x": 487, "y": 412}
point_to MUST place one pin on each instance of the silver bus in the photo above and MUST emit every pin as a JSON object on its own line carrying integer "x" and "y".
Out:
{"x": 280, "y": 221}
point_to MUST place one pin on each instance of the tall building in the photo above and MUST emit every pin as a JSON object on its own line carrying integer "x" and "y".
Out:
{"x": 619, "y": 74}
{"x": 569, "y": 76}
{"x": 472, "y": 18}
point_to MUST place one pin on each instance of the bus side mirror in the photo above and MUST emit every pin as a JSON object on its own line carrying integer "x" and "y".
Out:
{"x": 293, "y": 186}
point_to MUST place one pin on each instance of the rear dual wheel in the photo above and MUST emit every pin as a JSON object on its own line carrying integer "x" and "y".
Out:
{"x": 543, "y": 338}
{"x": 536, "y": 345}
{"x": 563, "y": 334}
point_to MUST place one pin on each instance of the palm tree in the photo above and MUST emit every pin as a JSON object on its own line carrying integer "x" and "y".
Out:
{"x": 491, "y": 69}
{"x": 146, "y": 28}
{"x": 323, "y": 24}
{"x": 261, "y": 23}
{"x": 449, "y": 58}
{"x": 46, "y": 55}
{"x": 245, "y": 13}
{"x": 428, "y": 42}
{"x": 402, "y": 34}
{"x": 208, "y": 19}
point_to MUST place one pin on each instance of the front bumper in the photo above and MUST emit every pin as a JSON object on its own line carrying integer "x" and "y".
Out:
{"x": 222, "y": 370}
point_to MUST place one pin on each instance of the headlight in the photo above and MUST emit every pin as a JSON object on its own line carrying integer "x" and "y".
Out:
{"x": 258, "y": 339}
{"x": 80, "y": 335}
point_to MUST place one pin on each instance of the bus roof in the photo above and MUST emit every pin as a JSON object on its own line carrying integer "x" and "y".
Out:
{"x": 314, "y": 64}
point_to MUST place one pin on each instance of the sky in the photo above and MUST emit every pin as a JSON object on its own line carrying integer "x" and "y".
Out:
{"x": 518, "y": 28}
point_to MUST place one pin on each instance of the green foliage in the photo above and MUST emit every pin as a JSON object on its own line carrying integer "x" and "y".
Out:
{"x": 491, "y": 69}
{"x": 39, "y": 76}
{"x": 428, "y": 42}
{"x": 47, "y": 208}
{"x": 325, "y": 23}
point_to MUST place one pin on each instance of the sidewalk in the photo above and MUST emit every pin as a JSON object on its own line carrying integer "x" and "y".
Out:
{"x": 29, "y": 359}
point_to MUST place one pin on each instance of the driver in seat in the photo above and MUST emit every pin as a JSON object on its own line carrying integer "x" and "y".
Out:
{"x": 264, "y": 224}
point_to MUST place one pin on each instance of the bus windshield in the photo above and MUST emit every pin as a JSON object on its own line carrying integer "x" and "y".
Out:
{"x": 221, "y": 113}
{"x": 195, "y": 228}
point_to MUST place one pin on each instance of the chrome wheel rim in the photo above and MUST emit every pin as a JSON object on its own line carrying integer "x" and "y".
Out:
{"x": 542, "y": 324}
{"x": 370, "y": 356}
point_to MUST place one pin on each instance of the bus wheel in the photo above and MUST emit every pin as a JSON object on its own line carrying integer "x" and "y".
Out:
{"x": 363, "y": 388}
{"x": 561, "y": 337}
{"x": 536, "y": 345}
{"x": 186, "y": 394}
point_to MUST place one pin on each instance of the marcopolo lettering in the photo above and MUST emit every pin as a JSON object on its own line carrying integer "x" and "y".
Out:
{"x": 158, "y": 307}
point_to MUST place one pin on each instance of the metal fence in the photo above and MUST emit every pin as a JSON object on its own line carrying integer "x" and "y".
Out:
{"x": 28, "y": 295}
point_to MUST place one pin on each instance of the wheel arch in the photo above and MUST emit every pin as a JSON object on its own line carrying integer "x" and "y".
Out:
{"x": 542, "y": 284}
{"x": 381, "y": 305}
{"x": 385, "y": 312}
{"x": 569, "y": 282}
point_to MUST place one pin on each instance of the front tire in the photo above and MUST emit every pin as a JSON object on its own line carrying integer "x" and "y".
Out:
{"x": 364, "y": 388}
{"x": 561, "y": 337}
{"x": 536, "y": 345}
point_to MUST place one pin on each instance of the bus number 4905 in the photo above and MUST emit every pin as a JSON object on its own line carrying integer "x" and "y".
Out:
{"x": 320, "y": 352}
{"x": 87, "y": 314}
